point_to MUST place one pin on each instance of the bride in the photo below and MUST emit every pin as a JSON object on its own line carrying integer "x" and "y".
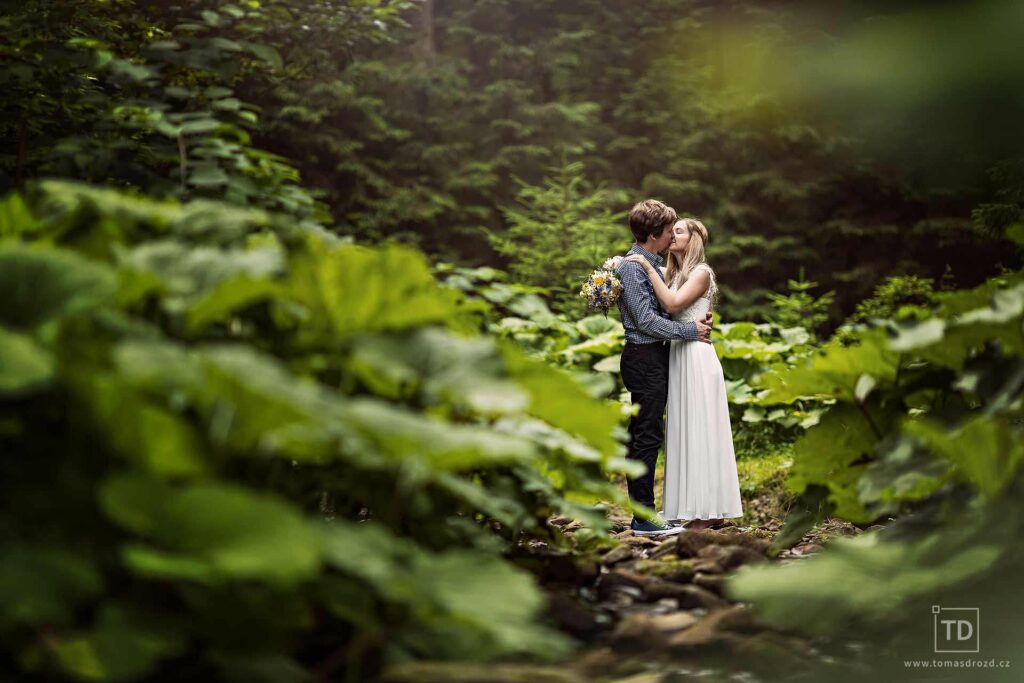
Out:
{"x": 701, "y": 483}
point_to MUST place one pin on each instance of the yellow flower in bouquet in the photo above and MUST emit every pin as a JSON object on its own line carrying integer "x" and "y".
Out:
{"x": 602, "y": 289}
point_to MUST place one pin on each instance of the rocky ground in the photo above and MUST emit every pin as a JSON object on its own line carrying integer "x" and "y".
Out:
{"x": 656, "y": 610}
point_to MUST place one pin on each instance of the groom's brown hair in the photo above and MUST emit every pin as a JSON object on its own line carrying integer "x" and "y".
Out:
{"x": 650, "y": 217}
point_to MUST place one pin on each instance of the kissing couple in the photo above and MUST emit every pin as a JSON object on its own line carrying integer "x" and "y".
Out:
{"x": 669, "y": 362}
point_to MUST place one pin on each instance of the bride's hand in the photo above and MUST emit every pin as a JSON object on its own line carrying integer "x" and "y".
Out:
{"x": 637, "y": 258}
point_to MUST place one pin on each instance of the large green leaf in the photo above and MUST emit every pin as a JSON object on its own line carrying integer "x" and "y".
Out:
{"x": 349, "y": 289}
{"x": 983, "y": 450}
{"x": 422, "y": 445}
{"x": 858, "y": 581}
{"x": 603, "y": 344}
{"x": 141, "y": 431}
{"x": 472, "y": 605}
{"x": 189, "y": 275}
{"x": 229, "y": 297}
{"x": 24, "y": 365}
{"x": 557, "y": 399}
{"x": 38, "y": 285}
{"x": 211, "y": 532}
{"x": 43, "y": 585}
{"x": 16, "y": 218}
{"x": 595, "y": 325}
{"x": 826, "y": 456}
{"x": 951, "y": 341}
{"x": 123, "y": 646}
{"x": 440, "y": 369}
{"x": 834, "y": 372}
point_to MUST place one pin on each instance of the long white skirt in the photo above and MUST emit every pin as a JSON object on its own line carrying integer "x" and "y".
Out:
{"x": 700, "y": 463}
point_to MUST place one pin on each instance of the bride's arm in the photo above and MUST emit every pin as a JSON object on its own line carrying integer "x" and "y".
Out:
{"x": 674, "y": 301}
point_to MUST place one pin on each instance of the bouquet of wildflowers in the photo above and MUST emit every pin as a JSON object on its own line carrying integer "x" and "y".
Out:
{"x": 602, "y": 288}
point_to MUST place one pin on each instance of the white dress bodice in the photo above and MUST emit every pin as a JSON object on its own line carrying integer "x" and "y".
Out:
{"x": 701, "y": 478}
{"x": 699, "y": 308}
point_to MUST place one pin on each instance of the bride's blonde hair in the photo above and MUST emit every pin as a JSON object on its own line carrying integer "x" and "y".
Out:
{"x": 680, "y": 267}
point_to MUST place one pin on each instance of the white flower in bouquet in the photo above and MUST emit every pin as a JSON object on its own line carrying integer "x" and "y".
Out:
{"x": 602, "y": 289}
{"x": 612, "y": 264}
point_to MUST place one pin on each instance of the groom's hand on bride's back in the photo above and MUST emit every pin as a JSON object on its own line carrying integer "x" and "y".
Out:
{"x": 704, "y": 328}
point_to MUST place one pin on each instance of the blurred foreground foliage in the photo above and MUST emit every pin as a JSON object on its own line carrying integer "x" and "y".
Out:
{"x": 235, "y": 446}
{"x": 927, "y": 427}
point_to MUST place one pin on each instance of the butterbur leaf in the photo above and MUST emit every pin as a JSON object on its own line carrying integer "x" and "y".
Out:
{"x": 595, "y": 325}
{"x": 24, "y": 366}
{"x": 983, "y": 450}
{"x": 16, "y": 218}
{"x": 122, "y": 647}
{"x": 834, "y": 371}
{"x": 826, "y": 456}
{"x": 233, "y": 10}
{"x": 178, "y": 92}
{"x": 609, "y": 364}
{"x": 531, "y": 307}
{"x": 149, "y": 435}
{"x": 488, "y": 604}
{"x": 187, "y": 275}
{"x": 597, "y": 384}
{"x": 556, "y": 397}
{"x": 213, "y": 531}
{"x": 404, "y": 435}
{"x": 229, "y": 297}
{"x": 479, "y": 606}
{"x": 440, "y": 368}
{"x": 603, "y": 345}
{"x": 355, "y": 289}
{"x": 827, "y": 593}
{"x": 41, "y": 585}
{"x": 921, "y": 334}
{"x": 42, "y": 284}
{"x": 905, "y": 473}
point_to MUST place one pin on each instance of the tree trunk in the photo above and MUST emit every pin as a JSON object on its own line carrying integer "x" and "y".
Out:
{"x": 22, "y": 158}
{"x": 421, "y": 22}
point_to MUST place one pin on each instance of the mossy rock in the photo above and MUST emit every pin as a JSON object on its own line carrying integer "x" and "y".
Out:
{"x": 668, "y": 568}
{"x": 690, "y": 545}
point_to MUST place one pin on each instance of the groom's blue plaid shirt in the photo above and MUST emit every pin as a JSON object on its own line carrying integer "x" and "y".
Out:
{"x": 642, "y": 317}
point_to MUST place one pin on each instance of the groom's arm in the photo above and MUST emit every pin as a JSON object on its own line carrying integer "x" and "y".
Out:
{"x": 634, "y": 281}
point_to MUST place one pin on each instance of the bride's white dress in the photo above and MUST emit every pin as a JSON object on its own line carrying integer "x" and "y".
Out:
{"x": 700, "y": 463}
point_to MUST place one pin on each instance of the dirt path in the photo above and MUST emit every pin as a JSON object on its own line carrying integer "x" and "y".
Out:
{"x": 653, "y": 611}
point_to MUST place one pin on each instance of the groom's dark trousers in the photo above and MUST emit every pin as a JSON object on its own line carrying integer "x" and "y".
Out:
{"x": 645, "y": 374}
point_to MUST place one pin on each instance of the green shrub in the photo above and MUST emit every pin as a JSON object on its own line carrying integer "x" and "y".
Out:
{"x": 234, "y": 443}
{"x": 926, "y": 427}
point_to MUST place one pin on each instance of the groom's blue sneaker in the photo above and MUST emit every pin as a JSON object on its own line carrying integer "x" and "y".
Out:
{"x": 655, "y": 527}
{"x": 671, "y": 522}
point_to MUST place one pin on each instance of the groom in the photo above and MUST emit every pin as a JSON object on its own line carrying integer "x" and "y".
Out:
{"x": 645, "y": 356}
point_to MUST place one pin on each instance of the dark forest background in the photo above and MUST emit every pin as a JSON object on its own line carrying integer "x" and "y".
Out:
{"x": 512, "y": 134}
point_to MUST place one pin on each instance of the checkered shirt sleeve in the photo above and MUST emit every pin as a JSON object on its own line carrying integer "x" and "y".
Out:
{"x": 643, "y": 319}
